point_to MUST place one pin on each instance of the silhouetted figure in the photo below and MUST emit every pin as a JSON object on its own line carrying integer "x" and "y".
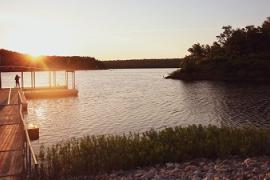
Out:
{"x": 17, "y": 79}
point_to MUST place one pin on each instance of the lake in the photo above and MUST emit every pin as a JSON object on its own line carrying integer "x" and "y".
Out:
{"x": 136, "y": 100}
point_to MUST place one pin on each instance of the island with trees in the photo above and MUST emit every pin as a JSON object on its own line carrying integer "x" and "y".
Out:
{"x": 241, "y": 54}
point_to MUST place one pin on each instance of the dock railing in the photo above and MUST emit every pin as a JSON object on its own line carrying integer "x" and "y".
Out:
{"x": 30, "y": 160}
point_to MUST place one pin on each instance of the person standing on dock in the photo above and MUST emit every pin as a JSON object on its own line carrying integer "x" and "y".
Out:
{"x": 17, "y": 79}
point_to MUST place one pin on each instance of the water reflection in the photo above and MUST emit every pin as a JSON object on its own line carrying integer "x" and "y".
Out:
{"x": 120, "y": 101}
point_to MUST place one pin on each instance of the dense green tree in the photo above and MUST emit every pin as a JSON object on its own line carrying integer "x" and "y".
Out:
{"x": 227, "y": 33}
{"x": 197, "y": 50}
{"x": 236, "y": 43}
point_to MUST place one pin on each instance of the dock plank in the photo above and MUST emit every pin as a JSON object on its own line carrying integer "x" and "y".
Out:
{"x": 11, "y": 136}
{"x": 4, "y": 96}
{"x": 11, "y": 163}
{"x": 10, "y": 115}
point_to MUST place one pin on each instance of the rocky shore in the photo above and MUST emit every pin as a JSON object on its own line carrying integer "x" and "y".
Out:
{"x": 235, "y": 168}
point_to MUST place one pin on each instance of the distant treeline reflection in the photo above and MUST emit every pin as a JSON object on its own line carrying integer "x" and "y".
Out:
{"x": 143, "y": 63}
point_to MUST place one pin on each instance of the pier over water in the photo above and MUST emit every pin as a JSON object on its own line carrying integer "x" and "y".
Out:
{"x": 17, "y": 158}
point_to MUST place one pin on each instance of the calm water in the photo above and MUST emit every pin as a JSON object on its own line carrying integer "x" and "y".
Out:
{"x": 120, "y": 101}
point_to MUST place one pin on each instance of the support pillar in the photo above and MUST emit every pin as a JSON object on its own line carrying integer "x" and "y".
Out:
{"x": 67, "y": 79}
{"x": 22, "y": 80}
{"x": 73, "y": 80}
{"x": 34, "y": 73}
{"x": 0, "y": 80}
{"x": 32, "y": 79}
{"x": 54, "y": 78}
{"x": 50, "y": 79}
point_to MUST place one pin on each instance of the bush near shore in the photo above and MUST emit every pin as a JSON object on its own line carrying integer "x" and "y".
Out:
{"x": 92, "y": 155}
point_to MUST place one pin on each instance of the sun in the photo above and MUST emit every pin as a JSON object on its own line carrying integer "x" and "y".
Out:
{"x": 33, "y": 57}
{"x": 35, "y": 54}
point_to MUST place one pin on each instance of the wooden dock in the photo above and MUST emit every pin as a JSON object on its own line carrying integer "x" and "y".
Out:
{"x": 14, "y": 142}
{"x": 16, "y": 153}
{"x": 11, "y": 136}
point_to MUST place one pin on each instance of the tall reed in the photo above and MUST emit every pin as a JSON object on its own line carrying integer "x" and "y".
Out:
{"x": 91, "y": 155}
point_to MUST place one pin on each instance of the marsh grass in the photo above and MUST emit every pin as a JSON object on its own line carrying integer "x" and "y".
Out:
{"x": 91, "y": 155}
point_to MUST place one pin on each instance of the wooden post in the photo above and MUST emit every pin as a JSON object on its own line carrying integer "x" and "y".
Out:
{"x": 50, "y": 79}
{"x": 0, "y": 80}
{"x": 22, "y": 80}
{"x": 73, "y": 79}
{"x": 67, "y": 79}
{"x": 54, "y": 78}
{"x": 34, "y": 79}
{"x": 31, "y": 79}
{"x": 0, "y": 72}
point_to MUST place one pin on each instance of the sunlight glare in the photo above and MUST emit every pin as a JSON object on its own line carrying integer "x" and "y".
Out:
{"x": 39, "y": 39}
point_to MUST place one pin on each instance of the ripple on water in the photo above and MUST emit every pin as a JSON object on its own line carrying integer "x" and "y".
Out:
{"x": 135, "y": 100}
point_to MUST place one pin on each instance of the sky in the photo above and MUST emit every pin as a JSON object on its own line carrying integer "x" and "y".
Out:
{"x": 121, "y": 29}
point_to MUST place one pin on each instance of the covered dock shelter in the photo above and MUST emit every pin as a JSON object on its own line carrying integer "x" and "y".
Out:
{"x": 49, "y": 89}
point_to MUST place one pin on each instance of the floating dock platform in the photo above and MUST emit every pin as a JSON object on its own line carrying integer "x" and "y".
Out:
{"x": 47, "y": 92}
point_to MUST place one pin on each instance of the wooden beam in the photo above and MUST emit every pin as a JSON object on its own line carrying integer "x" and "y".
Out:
{"x": 0, "y": 80}
{"x": 34, "y": 79}
{"x": 22, "y": 80}
{"x": 31, "y": 79}
{"x": 67, "y": 79}
{"x": 54, "y": 78}
{"x": 50, "y": 79}
{"x": 73, "y": 79}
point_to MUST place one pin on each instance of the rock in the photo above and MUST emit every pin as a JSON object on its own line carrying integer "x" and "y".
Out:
{"x": 175, "y": 171}
{"x": 196, "y": 177}
{"x": 264, "y": 166}
{"x": 157, "y": 177}
{"x": 197, "y": 173}
{"x": 177, "y": 165}
{"x": 249, "y": 162}
{"x": 202, "y": 163}
{"x": 170, "y": 165}
{"x": 255, "y": 170}
{"x": 209, "y": 176}
{"x": 190, "y": 168}
{"x": 150, "y": 174}
{"x": 139, "y": 174}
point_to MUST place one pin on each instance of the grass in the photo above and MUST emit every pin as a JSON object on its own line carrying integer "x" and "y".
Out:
{"x": 91, "y": 155}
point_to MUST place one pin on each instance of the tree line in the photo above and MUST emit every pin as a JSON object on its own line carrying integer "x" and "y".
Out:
{"x": 14, "y": 61}
{"x": 237, "y": 42}
{"x": 143, "y": 63}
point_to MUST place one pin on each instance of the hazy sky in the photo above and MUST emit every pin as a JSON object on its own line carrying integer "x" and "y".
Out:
{"x": 120, "y": 29}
